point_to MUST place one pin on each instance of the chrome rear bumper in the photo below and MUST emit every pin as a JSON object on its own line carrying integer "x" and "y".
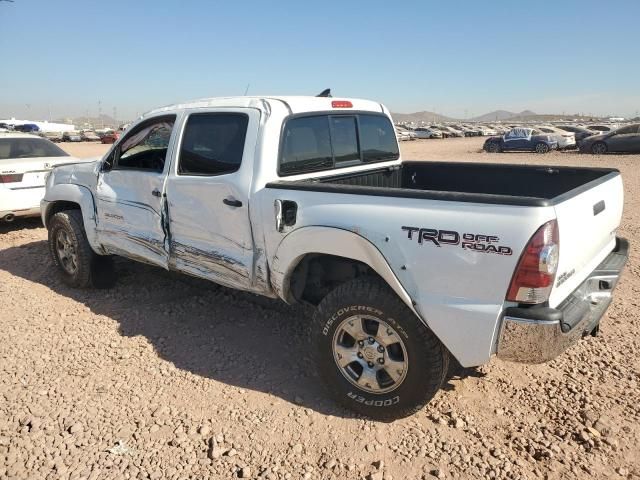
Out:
{"x": 539, "y": 334}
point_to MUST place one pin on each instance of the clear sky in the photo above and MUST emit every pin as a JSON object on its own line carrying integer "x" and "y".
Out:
{"x": 459, "y": 58}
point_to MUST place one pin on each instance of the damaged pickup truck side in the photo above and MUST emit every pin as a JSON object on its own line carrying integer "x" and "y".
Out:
{"x": 307, "y": 199}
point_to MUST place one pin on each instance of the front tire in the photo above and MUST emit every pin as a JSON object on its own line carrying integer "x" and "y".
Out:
{"x": 374, "y": 355}
{"x": 599, "y": 148}
{"x": 493, "y": 148}
{"x": 78, "y": 264}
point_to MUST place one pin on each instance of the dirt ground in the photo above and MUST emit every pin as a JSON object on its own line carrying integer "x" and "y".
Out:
{"x": 166, "y": 377}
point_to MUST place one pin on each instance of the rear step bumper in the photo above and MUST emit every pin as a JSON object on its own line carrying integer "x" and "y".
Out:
{"x": 537, "y": 335}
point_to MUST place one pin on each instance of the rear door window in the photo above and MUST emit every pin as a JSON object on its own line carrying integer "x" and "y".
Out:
{"x": 321, "y": 142}
{"x": 213, "y": 143}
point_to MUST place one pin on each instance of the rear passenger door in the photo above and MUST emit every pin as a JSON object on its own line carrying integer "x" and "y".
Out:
{"x": 208, "y": 196}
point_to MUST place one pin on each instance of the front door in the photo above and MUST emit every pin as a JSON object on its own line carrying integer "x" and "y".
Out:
{"x": 208, "y": 197}
{"x": 130, "y": 193}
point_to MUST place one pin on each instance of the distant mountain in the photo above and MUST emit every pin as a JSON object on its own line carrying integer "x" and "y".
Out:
{"x": 419, "y": 117}
{"x": 96, "y": 122}
{"x": 501, "y": 115}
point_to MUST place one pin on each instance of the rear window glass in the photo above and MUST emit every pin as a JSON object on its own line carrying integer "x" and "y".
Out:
{"x": 377, "y": 140}
{"x": 29, "y": 148}
{"x": 322, "y": 142}
{"x": 344, "y": 139}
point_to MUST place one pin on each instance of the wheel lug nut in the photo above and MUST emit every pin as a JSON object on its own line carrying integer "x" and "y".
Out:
{"x": 371, "y": 340}
{"x": 370, "y": 364}
{"x": 381, "y": 361}
{"x": 380, "y": 348}
{"x": 359, "y": 354}
{"x": 361, "y": 343}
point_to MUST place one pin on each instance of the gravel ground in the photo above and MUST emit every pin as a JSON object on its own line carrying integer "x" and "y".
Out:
{"x": 168, "y": 377}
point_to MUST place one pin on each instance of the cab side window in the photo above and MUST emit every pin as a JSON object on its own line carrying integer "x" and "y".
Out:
{"x": 145, "y": 147}
{"x": 213, "y": 143}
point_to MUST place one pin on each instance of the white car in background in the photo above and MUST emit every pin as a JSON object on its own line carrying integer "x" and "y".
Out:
{"x": 422, "y": 132}
{"x": 403, "y": 134}
{"x": 565, "y": 139}
{"x": 25, "y": 161}
{"x": 487, "y": 131}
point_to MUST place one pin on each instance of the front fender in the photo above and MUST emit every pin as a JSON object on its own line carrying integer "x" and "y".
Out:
{"x": 330, "y": 241}
{"x": 70, "y": 193}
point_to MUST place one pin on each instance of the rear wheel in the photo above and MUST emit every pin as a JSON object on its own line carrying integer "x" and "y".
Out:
{"x": 375, "y": 356}
{"x": 78, "y": 264}
{"x": 599, "y": 148}
{"x": 542, "y": 148}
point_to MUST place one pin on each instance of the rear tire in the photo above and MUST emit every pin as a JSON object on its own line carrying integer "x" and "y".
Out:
{"x": 374, "y": 355}
{"x": 542, "y": 148}
{"x": 78, "y": 264}
{"x": 599, "y": 148}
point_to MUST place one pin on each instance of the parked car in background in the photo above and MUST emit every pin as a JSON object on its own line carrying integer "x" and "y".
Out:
{"x": 580, "y": 132}
{"x": 601, "y": 128}
{"x": 52, "y": 136}
{"x": 89, "y": 136}
{"x": 423, "y": 132}
{"x": 566, "y": 140}
{"x": 27, "y": 128}
{"x": 487, "y": 131}
{"x": 623, "y": 140}
{"x": 438, "y": 128}
{"x": 25, "y": 161}
{"x": 521, "y": 139}
{"x": 110, "y": 137}
{"x": 452, "y": 131}
{"x": 72, "y": 136}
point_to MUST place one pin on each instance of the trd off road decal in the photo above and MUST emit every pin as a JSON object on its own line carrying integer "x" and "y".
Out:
{"x": 467, "y": 241}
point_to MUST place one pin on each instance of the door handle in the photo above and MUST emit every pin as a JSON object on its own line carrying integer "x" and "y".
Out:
{"x": 156, "y": 193}
{"x": 232, "y": 202}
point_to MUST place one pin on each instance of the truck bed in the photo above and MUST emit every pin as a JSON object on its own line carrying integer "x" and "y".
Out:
{"x": 524, "y": 185}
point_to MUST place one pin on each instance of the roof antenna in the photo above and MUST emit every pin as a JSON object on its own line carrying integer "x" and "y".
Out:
{"x": 246, "y": 89}
{"x": 325, "y": 93}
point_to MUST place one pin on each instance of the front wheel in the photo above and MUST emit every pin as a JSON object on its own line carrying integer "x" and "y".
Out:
{"x": 375, "y": 356}
{"x": 493, "y": 147}
{"x": 542, "y": 148}
{"x": 599, "y": 148}
{"x": 78, "y": 264}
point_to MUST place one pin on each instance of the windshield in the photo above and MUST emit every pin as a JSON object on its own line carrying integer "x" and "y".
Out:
{"x": 12, "y": 148}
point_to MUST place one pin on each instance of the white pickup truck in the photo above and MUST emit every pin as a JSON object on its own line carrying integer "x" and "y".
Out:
{"x": 307, "y": 199}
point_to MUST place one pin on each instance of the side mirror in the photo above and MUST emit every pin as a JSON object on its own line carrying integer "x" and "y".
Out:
{"x": 107, "y": 164}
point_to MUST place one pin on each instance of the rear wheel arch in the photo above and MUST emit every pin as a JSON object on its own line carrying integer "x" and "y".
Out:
{"x": 348, "y": 255}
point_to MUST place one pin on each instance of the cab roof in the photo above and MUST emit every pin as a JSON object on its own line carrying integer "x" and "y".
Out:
{"x": 295, "y": 104}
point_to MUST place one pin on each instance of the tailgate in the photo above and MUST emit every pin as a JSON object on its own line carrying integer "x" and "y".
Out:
{"x": 587, "y": 223}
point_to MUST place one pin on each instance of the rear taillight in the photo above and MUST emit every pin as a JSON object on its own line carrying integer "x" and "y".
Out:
{"x": 11, "y": 178}
{"x": 536, "y": 271}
